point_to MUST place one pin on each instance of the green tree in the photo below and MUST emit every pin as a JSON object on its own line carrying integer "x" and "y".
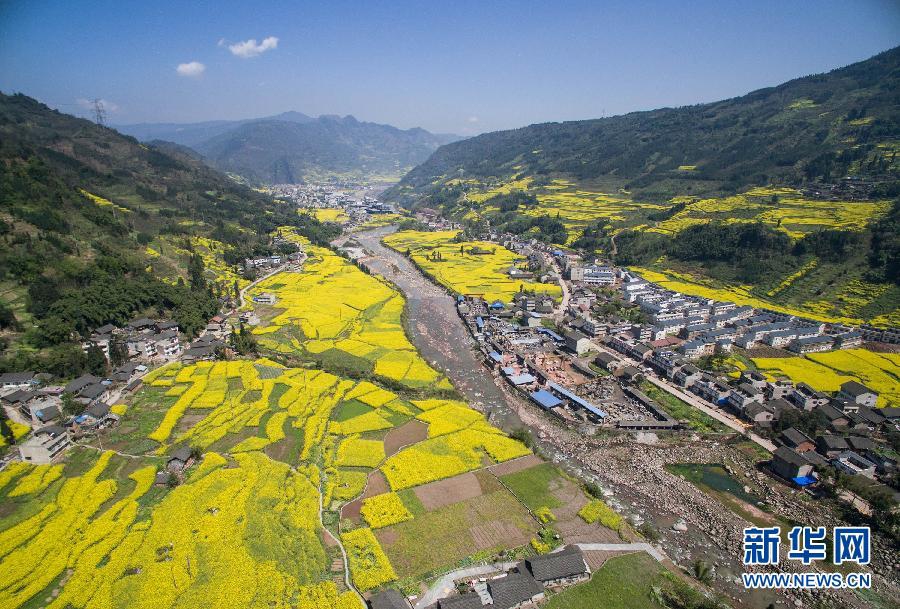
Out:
{"x": 70, "y": 407}
{"x": 96, "y": 361}
{"x": 118, "y": 353}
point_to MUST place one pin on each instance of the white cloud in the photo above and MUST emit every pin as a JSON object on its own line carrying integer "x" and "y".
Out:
{"x": 251, "y": 48}
{"x": 192, "y": 69}
{"x": 473, "y": 119}
{"x": 88, "y": 104}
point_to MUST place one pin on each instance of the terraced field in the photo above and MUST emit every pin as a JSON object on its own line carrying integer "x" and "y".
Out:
{"x": 290, "y": 462}
{"x": 845, "y": 302}
{"x": 456, "y": 266}
{"x": 244, "y": 527}
{"x": 828, "y": 291}
{"x": 328, "y": 214}
{"x": 342, "y": 318}
{"x": 784, "y": 208}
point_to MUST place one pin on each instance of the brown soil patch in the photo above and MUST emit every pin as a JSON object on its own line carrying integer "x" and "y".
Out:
{"x": 570, "y": 525}
{"x": 497, "y": 533}
{"x": 516, "y": 465}
{"x": 377, "y": 484}
{"x": 387, "y": 536}
{"x": 408, "y": 433}
{"x": 190, "y": 418}
{"x": 596, "y": 558}
{"x": 435, "y": 495}
{"x": 328, "y": 539}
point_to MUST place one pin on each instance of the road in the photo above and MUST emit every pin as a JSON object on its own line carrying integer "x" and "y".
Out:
{"x": 279, "y": 269}
{"x": 564, "y": 305}
{"x": 698, "y": 403}
{"x": 715, "y": 413}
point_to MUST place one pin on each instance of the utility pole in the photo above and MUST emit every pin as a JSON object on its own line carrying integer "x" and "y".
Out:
{"x": 99, "y": 112}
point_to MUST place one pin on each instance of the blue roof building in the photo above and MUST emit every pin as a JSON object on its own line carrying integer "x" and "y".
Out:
{"x": 577, "y": 400}
{"x": 545, "y": 399}
{"x": 522, "y": 379}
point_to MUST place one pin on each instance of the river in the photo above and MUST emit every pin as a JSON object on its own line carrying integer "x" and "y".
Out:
{"x": 438, "y": 332}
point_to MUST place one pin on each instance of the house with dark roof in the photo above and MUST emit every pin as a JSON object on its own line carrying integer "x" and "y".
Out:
{"x": 860, "y": 444}
{"x": 180, "y": 460}
{"x": 16, "y": 380}
{"x": 564, "y": 567}
{"x": 469, "y": 600}
{"x": 858, "y": 393}
{"x": 806, "y": 397}
{"x": 780, "y": 406}
{"x": 389, "y": 599}
{"x": 577, "y": 342}
{"x": 870, "y": 417}
{"x": 80, "y": 383}
{"x": 45, "y": 414}
{"x": 607, "y": 361}
{"x": 831, "y": 446}
{"x": 98, "y": 415}
{"x": 19, "y": 398}
{"x": 687, "y": 375}
{"x": 836, "y": 418}
{"x": 518, "y": 589}
{"x": 796, "y": 439}
{"x": 758, "y": 414}
{"x": 791, "y": 465}
{"x": 141, "y": 323}
{"x": 93, "y": 394}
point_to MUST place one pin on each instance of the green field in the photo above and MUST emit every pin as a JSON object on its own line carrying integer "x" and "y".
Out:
{"x": 623, "y": 582}
{"x": 436, "y": 540}
{"x": 681, "y": 410}
{"x": 533, "y": 486}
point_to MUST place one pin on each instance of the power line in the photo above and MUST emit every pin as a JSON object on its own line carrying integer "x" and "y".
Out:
{"x": 99, "y": 112}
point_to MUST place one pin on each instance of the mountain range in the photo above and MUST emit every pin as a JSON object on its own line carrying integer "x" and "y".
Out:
{"x": 822, "y": 126}
{"x": 791, "y": 193}
{"x": 96, "y": 227}
{"x": 291, "y": 147}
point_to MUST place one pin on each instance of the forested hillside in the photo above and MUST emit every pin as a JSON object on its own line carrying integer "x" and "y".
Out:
{"x": 96, "y": 228}
{"x": 788, "y": 194}
{"x": 820, "y": 127}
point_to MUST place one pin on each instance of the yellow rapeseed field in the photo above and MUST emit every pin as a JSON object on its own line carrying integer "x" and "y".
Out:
{"x": 462, "y": 270}
{"x": 333, "y": 310}
{"x": 828, "y": 371}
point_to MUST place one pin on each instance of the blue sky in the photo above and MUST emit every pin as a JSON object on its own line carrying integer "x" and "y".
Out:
{"x": 462, "y": 67}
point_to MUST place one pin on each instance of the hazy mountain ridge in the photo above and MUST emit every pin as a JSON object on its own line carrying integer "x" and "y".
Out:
{"x": 292, "y": 146}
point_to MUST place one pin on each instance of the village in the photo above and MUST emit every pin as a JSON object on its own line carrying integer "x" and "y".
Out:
{"x": 61, "y": 415}
{"x": 591, "y": 362}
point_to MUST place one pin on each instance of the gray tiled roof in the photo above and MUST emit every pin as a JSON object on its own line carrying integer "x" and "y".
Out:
{"x": 469, "y": 600}
{"x": 388, "y": 599}
{"x": 568, "y": 562}
{"x": 513, "y": 589}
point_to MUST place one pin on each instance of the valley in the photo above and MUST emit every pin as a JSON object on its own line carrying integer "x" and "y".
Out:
{"x": 515, "y": 352}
